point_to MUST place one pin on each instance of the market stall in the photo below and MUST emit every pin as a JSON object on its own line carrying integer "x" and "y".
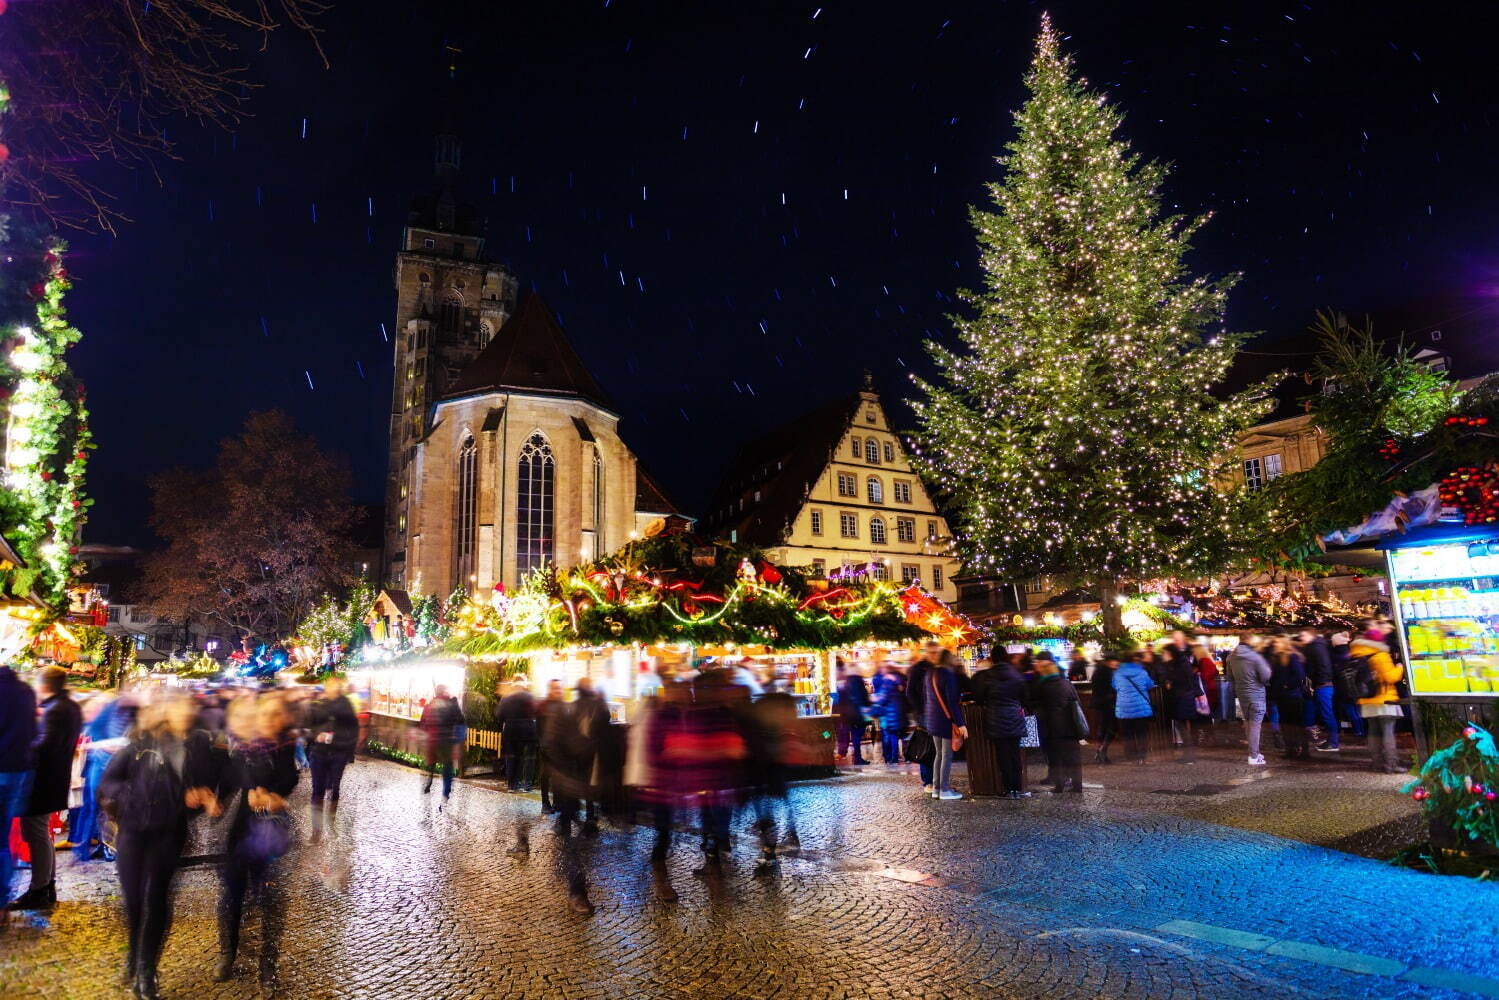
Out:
{"x": 662, "y": 607}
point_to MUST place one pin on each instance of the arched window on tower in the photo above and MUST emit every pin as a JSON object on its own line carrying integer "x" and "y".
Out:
{"x": 450, "y": 312}
{"x": 534, "y": 487}
{"x": 598, "y": 504}
{"x": 466, "y": 513}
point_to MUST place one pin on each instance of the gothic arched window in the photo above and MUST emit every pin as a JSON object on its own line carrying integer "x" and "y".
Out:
{"x": 466, "y": 512}
{"x": 450, "y": 312}
{"x": 534, "y": 506}
{"x": 598, "y": 504}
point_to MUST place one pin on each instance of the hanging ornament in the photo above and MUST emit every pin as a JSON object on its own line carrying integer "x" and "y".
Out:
{"x": 1474, "y": 492}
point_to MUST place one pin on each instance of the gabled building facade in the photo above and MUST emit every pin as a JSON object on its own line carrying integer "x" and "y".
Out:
{"x": 833, "y": 490}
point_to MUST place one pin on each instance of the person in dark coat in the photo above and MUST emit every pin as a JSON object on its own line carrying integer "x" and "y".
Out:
{"x": 333, "y": 735}
{"x": 1338, "y": 646}
{"x": 1183, "y": 686}
{"x": 942, "y": 716}
{"x": 1001, "y": 691}
{"x": 263, "y": 771}
{"x": 1104, "y": 696}
{"x": 52, "y": 748}
{"x": 17, "y": 732}
{"x": 152, "y": 787}
{"x": 517, "y": 719}
{"x": 441, "y": 719}
{"x": 1056, "y": 703}
{"x": 554, "y": 703}
{"x": 593, "y": 711}
{"x": 853, "y": 702}
{"x": 916, "y": 687}
{"x": 1287, "y": 689}
{"x": 1316, "y": 654}
{"x": 570, "y": 751}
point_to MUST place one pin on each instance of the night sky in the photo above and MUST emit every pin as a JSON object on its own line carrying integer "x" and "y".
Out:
{"x": 735, "y": 213}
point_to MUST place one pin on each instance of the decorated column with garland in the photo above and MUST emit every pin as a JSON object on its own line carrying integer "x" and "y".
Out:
{"x": 47, "y": 438}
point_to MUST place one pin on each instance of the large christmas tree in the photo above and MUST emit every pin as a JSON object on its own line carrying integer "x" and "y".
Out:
{"x": 1074, "y": 433}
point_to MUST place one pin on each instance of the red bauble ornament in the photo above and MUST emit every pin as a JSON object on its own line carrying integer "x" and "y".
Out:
{"x": 4, "y": 152}
{"x": 1473, "y": 491}
{"x": 81, "y": 455}
{"x": 37, "y": 290}
{"x": 46, "y": 476}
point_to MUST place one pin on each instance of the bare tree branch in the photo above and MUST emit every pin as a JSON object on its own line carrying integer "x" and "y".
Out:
{"x": 95, "y": 82}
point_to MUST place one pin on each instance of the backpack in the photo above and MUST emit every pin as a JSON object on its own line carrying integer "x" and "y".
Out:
{"x": 1356, "y": 679}
{"x": 154, "y": 794}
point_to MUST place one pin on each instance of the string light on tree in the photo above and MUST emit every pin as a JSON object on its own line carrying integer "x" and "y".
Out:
{"x": 1073, "y": 431}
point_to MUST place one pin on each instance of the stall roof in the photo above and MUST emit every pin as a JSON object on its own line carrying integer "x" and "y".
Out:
{"x": 1439, "y": 534}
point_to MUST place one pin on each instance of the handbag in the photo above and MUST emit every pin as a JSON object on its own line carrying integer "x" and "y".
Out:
{"x": 267, "y": 837}
{"x": 1200, "y": 703}
{"x": 1081, "y": 719}
{"x": 920, "y": 747}
{"x": 1032, "y": 737}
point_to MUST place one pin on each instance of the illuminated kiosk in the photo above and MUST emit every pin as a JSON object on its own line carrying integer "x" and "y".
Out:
{"x": 658, "y": 609}
{"x": 1444, "y": 581}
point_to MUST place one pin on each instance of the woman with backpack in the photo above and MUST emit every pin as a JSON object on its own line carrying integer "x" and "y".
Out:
{"x": 262, "y": 768}
{"x": 1380, "y": 710}
{"x": 151, "y": 788}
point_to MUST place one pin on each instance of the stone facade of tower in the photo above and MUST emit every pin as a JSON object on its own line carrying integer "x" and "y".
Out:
{"x": 450, "y": 302}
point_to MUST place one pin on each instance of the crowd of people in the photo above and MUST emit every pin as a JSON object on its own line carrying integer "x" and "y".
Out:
{"x": 156, "y": 759}
{"x": 700, "y": 747}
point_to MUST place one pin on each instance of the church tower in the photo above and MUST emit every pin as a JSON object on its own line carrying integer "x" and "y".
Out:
{"x": 449, "y": 303}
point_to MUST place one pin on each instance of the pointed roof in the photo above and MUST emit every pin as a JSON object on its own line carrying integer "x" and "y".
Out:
{"x": 530, "y": 354}
{"x": 783, "y": 466}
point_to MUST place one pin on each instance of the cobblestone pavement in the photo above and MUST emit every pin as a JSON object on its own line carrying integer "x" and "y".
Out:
{"x": 1115, "y": 893}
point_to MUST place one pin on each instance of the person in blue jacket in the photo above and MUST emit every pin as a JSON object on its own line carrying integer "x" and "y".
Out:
{"x": 890, "y": 709}
{"x": 1132, "y": 686}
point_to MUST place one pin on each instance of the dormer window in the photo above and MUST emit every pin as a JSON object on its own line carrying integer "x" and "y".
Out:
{"x": 428, "y": 244}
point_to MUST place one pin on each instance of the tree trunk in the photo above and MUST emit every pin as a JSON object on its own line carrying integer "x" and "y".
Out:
{"x": 1113, "y": 614}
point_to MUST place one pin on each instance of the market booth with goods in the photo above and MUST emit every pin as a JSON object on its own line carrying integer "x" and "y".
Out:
{"x": 662, "y": 607}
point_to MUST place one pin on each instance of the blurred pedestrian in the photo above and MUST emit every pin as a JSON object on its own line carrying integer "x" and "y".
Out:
{"x": 551, "y": 705}
{"x": 853, "y": 704}
{"x": 1132, "y": 685}
{"x": 1316, "y": 652}
{"x": 441, "y": 724}
{"x": 517, "y": 719}
{"x": 1344, "y": 708}
{"x": 105, "y": 725}
{"x": 770, "y": 735}
{"x": 1186, "y": 698}
{"x": 1208, "y": 676}
{"x": 161, "y": 778}
{"x": 916, "y": 691}
{"x": 1380, "y": 710}
{"x": 1001, "y": 691}
{"x": 1287, "y": 689}
{"x": 333, "y": 729}
{"x": 263, "y": 770}
{"x": 1104, "y": 701}
{"x": 53, "y": 748}
{"x": 942, "y": 717}
{"x": 1250, "y": 674}
{"x": 570, "y": 751}
{"x": 17, "y": 732}
{"x": 1057, "y": 711}
{"x": 890, "y": 708}
{"x": 1078, "y": 666}
{"x": 592, "y": 713}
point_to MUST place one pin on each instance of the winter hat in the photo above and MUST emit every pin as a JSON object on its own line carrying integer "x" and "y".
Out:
{"x": 1339, "y": 639}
